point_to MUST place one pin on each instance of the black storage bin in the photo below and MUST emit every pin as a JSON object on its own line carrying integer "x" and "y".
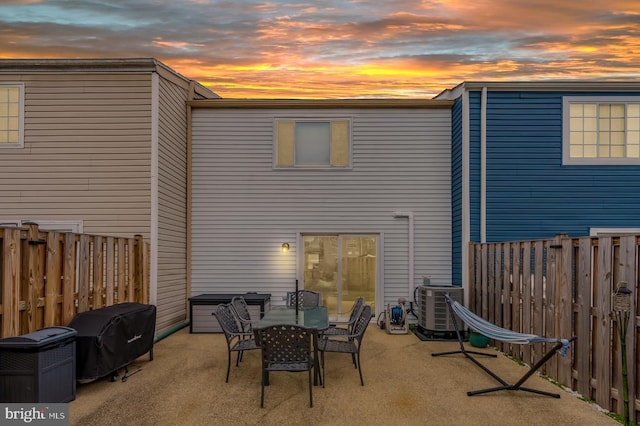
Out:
{"x": 39, "y": 366}
{"x": 202, "y": 306}
{"x": 111, "y": 338}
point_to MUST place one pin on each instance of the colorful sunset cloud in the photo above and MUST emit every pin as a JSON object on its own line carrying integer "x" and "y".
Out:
{"x": 337, "y": 49}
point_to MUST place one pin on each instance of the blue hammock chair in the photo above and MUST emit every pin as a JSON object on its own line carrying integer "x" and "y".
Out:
{"x": 494, "y": 332}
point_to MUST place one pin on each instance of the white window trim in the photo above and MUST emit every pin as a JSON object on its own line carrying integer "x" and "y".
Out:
{"x": 566, "y": 159}
{"x": 594, "y": 232}
{"x": 296, "y": 119}
{"x": 20, "y": 143}
{"x": 76, "y": 226}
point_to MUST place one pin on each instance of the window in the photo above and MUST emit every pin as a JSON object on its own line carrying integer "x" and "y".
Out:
{"x": 11, "y": 115}
{"x": 312, "y": 143}
{"x": 601, "y": 130}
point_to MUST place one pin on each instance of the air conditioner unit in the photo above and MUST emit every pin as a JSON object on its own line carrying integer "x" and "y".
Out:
{"x": 433, "y": 311}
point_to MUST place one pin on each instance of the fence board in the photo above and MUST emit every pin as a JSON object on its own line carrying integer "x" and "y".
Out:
{"x": 627, "y": 260}
{"x": 491, "y": 283}
{"x": 526, "y": 299}
{"x": 538, "y": 299}
{"x": 581, "y": 350}
{"x": 131, "y": 278}
{"x": 97, "y": 294}
{"x": 551, "y": 368}
{"x": 603, "y": 323}
{"x": 110, "y": 271}
{"x": 11, "y": 268}
{"x": 506, "y": 293}
{"x": 84, "y": 281}
{"x": 52, "y": 315}
{"x": 69, "y": 278}
{"x": 122, "y": 270}
{"x": 564, "y": 309}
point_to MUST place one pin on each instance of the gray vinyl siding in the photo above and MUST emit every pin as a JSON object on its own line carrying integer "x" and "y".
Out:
{"x": 243, "y": 209}
{"x": 530, "y": 194}
{"x": 172, "y": 205}
{"x": 86, "y": 152}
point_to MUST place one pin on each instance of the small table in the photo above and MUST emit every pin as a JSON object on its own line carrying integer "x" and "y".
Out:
{"x": 316, "y": 318}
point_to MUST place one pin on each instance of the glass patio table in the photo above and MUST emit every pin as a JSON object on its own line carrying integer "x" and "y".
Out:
{"x": 316, "y": 317}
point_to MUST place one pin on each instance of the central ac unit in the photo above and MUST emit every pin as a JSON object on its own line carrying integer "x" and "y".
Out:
{"x": 434, "y": 314}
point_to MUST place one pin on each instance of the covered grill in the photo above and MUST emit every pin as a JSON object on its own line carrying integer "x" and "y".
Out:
{"x": 111, "y": 338}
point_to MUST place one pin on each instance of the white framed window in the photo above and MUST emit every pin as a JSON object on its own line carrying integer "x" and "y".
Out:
{"x": 11, "y": 115}
{"x": 601, "y": 130}
{"x": 312, "y": 143}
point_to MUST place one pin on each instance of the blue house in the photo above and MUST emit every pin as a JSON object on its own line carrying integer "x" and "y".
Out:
{"x": 534, "y": 159}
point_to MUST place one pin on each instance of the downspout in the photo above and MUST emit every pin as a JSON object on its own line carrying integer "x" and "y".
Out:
{"x": 483, "y": 166}
{"x": 189, "y": 198}
{"x": 169, "y": 331}
{"x": 155, "y": 122}
{"x": 466, "y": 210}
{"x": 409, "y": 215}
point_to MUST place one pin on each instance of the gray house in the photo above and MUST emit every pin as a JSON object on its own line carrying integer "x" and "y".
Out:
{"x": 358, "y": 190}
{"x": 100, "y": 146}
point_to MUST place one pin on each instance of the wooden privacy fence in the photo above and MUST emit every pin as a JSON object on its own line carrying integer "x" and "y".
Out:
{"x": 564, "y": 287}
{"x": 49, "y": 277}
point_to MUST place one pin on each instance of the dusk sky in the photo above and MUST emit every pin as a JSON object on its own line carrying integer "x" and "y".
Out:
{"x": 331, "y": 48}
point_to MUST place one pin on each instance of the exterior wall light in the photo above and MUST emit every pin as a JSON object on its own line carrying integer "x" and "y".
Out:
{"x": 285, "y": 248}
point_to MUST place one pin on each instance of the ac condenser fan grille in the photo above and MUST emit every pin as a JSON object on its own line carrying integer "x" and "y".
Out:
{"x": 433, "y": 309}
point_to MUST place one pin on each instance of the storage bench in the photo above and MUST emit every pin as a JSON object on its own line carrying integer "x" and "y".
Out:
{"x": 202, "y": 307}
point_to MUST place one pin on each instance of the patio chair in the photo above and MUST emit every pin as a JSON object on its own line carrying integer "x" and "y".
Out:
{"x": 345, "y": 328}
{"x": 237, "y": 340}
{"x": 306, "y": 298}
{"x": 352, "y": 345}
{"x": 243, "y": 316}
{"x": 287, "y": 347}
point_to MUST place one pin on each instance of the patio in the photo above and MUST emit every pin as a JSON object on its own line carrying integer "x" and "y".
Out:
{"x": 404, "y": 384}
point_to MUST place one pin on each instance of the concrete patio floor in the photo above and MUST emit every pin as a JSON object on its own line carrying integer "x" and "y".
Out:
{"x": 404, "y": 384}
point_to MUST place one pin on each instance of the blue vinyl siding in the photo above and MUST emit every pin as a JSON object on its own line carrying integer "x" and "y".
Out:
{"x": 530, "y": 194}
{"x": 456, "y": 191}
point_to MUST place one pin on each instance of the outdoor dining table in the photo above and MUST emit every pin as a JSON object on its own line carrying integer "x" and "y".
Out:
{"x": 316, "y": 318}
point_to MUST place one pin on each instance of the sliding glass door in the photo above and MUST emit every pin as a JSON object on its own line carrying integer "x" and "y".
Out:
{"x": 342, "y": 267}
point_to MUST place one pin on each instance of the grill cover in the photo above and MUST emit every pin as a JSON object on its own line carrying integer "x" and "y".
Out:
{"x": 110, "y": 338}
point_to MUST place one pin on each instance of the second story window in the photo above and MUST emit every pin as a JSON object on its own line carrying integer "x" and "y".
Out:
{"x": 303, "y": 143}
{"x": 11, "y": 115}
{"x": 599, "y": 130}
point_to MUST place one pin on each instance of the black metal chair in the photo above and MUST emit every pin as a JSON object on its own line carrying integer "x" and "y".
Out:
{"x": 237, "y": 340}
{"x": 243, "y": 316}
{"x": 343, "y": 329}
{"x": 351, "y": 345}
{"x": 306, "y": 298}
{"x": 287, "y": 348}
